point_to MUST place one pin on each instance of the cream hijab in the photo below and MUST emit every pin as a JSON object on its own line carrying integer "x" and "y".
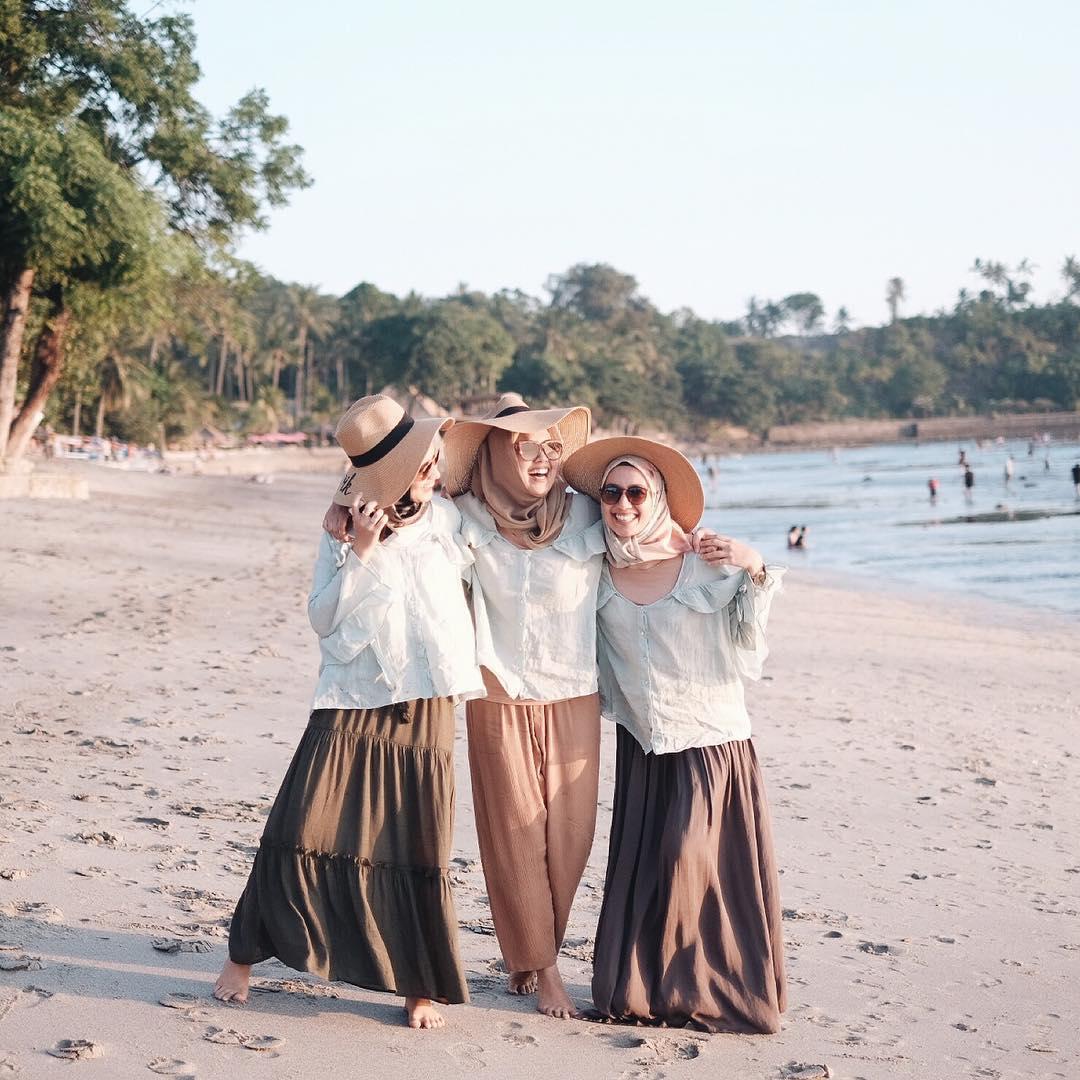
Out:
{"x": 660, "y": 538}
{"x": 534, "y": 522}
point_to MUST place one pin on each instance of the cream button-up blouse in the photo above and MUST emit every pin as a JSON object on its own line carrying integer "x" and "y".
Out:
{"x": 397, "y": 627}
{"x": 535, "y": 610}
{"x": 671, "y": 671}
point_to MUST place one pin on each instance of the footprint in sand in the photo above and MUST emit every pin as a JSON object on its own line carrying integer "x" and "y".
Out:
{"x": 880, "y": 949}
{"x": 516, "y": 1036}
{"x": 182, "y": 1070}
{"x": 19, "y": 962}
{"x": 77, "y": 1049}
{"x": 267, "y": 1044}
{"x": 471, "y": 1055}
{"x": 796, "y": 1070}
{"x": 102, "y": 837}
{"x": 35, "y": 909}
{"x": 182, "y": 945}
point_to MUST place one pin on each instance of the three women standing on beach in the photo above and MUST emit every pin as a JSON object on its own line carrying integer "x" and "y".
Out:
{"x": 351, "y": 877}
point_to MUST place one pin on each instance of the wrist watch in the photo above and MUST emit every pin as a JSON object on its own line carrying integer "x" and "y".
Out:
{"x": 759, "y": 578}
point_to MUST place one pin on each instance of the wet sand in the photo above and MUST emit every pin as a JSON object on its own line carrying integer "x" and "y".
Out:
{"x": 155, "y": 668}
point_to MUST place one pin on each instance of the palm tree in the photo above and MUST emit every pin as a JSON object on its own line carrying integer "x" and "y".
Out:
{"x": 1070, "y": 271}
{"x": 312, "y": 316}
{"x": 120, "y": 378}
{"x": 894, "y": 294}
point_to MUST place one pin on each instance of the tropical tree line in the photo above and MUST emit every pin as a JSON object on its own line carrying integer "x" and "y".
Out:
{"x": 125, "y": 313}
{"x": 244, "y": 352}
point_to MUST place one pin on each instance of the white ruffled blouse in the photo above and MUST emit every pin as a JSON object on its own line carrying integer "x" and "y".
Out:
{"x": 396, "y": 628}
{"x": 671, "y": 671}
{"x": 535, "y": 610}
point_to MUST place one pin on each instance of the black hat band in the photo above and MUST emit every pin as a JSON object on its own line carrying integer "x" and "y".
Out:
{"x": 385, "y": 444}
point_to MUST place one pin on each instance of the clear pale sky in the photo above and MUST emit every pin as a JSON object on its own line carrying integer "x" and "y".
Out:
{"x": 713, "y": 150}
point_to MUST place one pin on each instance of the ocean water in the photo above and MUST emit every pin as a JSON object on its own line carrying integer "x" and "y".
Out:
{"x": 869, "y": 513}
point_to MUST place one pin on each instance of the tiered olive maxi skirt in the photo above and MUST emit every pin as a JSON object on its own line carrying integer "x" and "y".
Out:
{"x": 690, "y": 928}
{"x": 351, "y": 879}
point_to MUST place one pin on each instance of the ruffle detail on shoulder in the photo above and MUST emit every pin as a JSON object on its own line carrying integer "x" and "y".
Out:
{"x": 746, "y": 604}
{"x": 583, "y": 545}
{"x": 713, "y": 596}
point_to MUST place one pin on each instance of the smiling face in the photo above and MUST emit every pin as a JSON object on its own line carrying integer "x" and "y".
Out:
{"x": 538, "y": 476}
{"x": 423, "y": 485}
{"x": 622, "y": 517}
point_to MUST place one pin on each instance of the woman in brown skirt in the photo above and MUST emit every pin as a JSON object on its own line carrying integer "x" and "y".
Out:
{"x": 690, "y": 928}
{"x": 351, "y": 877}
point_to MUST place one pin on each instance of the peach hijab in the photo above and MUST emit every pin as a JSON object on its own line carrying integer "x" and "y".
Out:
{"x": 660, "y": 538}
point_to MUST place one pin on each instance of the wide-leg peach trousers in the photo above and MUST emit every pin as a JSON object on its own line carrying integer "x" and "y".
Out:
{"x": 535, "y": 770}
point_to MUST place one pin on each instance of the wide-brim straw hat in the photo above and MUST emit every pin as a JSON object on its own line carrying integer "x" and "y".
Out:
{"x": 584, "y": 472}
{"x": 386, "y": 447}
{"x": 510, "y": 413}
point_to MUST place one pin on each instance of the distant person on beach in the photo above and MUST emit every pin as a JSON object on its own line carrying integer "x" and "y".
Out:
{"x": 963, "y": 459}
{"x": 933, "y": 485}
{"x": 1010, "y": 469}
{"x": 969, "y": 483}
{"x": 1076, "y": 478}
{"x": 802, "y": 540}
{"x": 793, "y": 536}
{"x": 351, "y": 879}
{"x": 690, "y": 931}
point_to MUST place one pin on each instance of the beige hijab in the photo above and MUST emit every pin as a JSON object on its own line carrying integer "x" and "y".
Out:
{"x": 534, "y": 522}
{"x": 660, "y": 538}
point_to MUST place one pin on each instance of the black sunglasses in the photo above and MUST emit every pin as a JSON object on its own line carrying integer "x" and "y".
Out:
{"x": 635, "y": 494}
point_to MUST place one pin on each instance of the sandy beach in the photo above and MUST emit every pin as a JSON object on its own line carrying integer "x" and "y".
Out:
{"x": 155, "y": 669}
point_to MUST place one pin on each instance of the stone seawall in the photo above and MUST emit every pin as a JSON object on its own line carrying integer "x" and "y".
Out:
{"x": 934, "y": 429}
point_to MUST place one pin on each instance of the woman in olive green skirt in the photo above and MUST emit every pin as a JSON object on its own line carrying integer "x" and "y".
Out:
{"x": 351, "y": 879}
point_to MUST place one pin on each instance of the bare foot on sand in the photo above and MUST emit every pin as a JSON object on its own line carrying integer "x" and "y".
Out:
{"x": 422, "y": 1014}
{"x": 522, "y": 982}
{"x": 552, "y": 998}
{"x": 232, "y": 983}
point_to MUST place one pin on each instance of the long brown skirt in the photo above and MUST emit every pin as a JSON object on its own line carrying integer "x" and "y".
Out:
{"x": 690, "y": 928}
{"x": 351, "y": 880}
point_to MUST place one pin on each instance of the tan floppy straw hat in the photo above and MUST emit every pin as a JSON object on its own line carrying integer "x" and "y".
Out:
{"x": 584, "y": 472}
{"x": 386, "y": 447}
{"x": 510, "y": 413}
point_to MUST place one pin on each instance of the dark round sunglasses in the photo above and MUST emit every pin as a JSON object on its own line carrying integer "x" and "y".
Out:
{"x": 635, "y": 494}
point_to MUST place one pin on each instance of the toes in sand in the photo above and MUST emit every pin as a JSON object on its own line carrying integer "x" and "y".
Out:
{"x": 551, "y": 996}
{"x": 422, "y": 1014}
{"x": 522, "y": 982}
{"x": 232, "y": 983}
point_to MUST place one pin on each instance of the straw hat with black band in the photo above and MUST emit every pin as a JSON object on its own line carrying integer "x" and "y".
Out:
{"x": 510, "y": 413}
{"x": 386, "y": 447}
{"x": 584, "y": 472}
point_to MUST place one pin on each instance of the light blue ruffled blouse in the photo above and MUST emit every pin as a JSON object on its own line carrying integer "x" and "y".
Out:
{"x": 671, "y": 671}
{"x": 396, "y": 628}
